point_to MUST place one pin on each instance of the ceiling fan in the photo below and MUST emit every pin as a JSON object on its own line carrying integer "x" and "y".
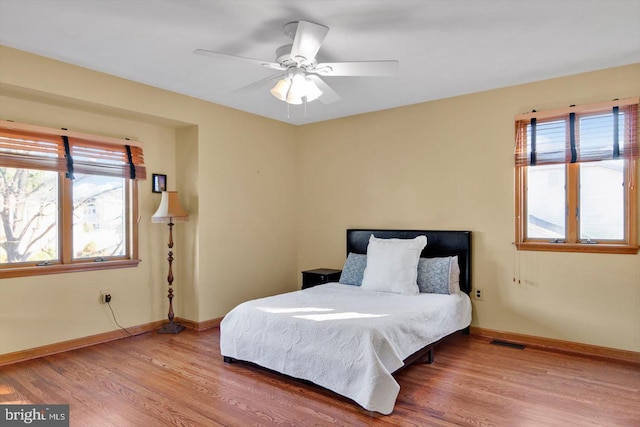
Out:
{"x": 301, "y": 78}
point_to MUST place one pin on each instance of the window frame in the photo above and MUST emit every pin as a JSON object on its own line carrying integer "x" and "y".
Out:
{"x": 572, "y": 243}
{"x": 66, "y": 263}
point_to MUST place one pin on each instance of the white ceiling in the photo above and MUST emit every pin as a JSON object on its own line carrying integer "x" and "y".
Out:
{"x": 445, "y": 48}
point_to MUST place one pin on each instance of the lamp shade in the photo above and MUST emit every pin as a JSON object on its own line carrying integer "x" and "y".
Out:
{"x": 312, "y": 91}
{"x": 170, "y": 209}
{"x": 297, "y": 89}
{"x": 280, "y": 89}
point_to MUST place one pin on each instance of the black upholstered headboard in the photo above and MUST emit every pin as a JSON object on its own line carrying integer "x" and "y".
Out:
{"x": 439, "y": 243}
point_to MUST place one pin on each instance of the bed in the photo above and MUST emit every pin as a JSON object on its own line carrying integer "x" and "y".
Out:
{"x": 352, "y": 339}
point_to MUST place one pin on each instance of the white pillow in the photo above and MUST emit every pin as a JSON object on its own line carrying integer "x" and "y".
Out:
{"x": 392, "y": 265}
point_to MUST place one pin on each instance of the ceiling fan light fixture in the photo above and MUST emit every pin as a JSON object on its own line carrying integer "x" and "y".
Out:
{"x": 281, "y": 89}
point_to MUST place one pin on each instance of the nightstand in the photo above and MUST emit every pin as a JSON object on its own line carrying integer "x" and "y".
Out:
{"x": 319, "y": 276}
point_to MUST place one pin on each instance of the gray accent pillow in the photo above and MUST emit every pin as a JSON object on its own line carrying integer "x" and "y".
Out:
{"x": 439, "y": 275}
{"x": 353, "y": 269}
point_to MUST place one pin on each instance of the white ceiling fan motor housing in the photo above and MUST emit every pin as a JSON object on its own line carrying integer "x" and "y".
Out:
{"x": 283, "y": 57}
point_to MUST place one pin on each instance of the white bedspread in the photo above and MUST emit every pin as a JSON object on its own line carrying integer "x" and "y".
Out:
{"x": 342, "y": 337}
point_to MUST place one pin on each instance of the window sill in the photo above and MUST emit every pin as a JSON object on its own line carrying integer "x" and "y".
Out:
{"x": 600, "y": 248}
{"x": 6, "y": 273}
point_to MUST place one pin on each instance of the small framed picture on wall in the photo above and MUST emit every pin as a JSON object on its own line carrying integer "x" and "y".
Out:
{"x": 159, "y": 183}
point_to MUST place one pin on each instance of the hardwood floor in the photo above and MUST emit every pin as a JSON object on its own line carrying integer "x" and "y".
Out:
{"x": 155, "y": 380}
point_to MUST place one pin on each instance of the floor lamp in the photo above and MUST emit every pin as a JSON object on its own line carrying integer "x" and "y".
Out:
{"x": 168, "y": 212}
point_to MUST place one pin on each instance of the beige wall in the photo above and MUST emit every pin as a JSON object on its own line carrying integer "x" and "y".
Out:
{"x": 448, "y": 164}
{"x": 267, "y": 199}
{"x": 187, "y": 241}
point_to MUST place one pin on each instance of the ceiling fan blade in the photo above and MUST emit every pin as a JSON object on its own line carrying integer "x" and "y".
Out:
{"x": 328, "y": 95}
{"x": 220, "y": 55}
{"x": 260, "y": 84}
{"x": 357, "y": 68}
{"x": 309, "y": 37}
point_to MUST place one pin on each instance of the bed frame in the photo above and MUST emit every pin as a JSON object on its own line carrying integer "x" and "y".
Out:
{"x": 440, "y": 243}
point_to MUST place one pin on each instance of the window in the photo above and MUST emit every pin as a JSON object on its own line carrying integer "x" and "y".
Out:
{"x": 576, "y": 179}
{"x": 67, "y": 201}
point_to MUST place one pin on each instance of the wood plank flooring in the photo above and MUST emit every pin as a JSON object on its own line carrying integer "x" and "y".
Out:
{"x": 157, "y": 380}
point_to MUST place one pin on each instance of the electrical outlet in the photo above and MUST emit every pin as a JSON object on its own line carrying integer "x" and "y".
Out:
{"x": 478, "y": 294}
{"x": 105, "y": 296}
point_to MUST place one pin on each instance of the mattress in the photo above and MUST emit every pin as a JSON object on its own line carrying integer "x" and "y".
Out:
{"x": 344, "y": 338}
